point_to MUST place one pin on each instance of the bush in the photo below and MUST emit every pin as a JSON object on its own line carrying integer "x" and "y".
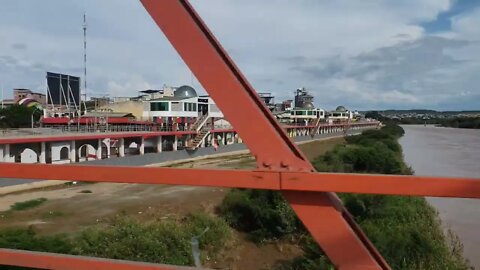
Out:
{"x": 127, "y": 239}
{"x": 19, "y": 206}
{"x": 406, "y": 231}
{"x": 166, "y": 242}
{"x": 263, "y": 214}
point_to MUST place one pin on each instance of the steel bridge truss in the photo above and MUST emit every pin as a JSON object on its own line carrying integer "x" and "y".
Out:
{"x": 281, "y": 166}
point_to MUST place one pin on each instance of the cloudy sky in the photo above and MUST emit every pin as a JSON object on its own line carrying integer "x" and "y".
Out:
{"x": 368, "y": 54}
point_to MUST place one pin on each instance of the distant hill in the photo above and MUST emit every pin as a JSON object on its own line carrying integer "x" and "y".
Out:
{"x": 423, "y": 111}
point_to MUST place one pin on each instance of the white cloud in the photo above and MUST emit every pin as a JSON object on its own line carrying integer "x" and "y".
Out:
{"x": 359, "y": 53}
{"x": 127, "y": 88}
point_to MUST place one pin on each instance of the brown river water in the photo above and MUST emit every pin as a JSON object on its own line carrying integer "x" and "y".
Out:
{"x": 454, "y": 152}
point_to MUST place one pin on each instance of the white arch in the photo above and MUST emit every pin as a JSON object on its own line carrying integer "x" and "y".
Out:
{"x": 86, "y": 152}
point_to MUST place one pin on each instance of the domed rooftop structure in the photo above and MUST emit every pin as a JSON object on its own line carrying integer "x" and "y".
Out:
{"x": 341, "y": 109}
{"x": 308, "y": 105}
{"x": 185, "y": 91}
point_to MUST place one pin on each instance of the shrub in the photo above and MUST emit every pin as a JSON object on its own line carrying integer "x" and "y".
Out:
{"x": 166, "y": 242}
{"x": 27, "y": 239}
{"x": 19, "y": 206}
{"x": 263, "y": 214}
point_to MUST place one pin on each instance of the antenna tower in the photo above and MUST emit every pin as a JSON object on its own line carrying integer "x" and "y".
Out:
{"x": 85, "y": 61}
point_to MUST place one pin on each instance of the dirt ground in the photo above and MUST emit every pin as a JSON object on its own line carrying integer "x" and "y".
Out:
{"x": 71, "y": 208}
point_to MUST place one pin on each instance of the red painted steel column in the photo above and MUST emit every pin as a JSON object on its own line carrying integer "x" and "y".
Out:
{"x": 261, "y": 132}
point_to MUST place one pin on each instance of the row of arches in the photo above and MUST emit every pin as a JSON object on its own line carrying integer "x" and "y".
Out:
{"x": 85, "y": 152}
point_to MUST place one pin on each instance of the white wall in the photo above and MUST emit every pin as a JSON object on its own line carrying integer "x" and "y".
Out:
{"x": 28, "y": 156}
{"x": 55, "y": 148}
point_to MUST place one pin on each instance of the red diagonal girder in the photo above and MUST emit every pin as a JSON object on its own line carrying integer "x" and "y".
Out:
{"x": 215, "y": 70}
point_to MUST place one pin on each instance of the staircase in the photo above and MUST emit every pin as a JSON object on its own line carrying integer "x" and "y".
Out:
{"x": 201, "y": 120}
{"x": 313, "y": 131}
{"x": 201, "y": 135}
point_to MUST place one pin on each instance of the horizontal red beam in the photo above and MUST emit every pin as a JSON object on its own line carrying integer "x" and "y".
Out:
{"x": 143, "y": 175}
{"x": 273, "y": 180}
{"x": 382, "y": 184}
{"x": 43, "y": 260}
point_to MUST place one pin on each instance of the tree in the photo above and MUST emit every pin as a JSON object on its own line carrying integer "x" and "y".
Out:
{"x": 18, "y": 116}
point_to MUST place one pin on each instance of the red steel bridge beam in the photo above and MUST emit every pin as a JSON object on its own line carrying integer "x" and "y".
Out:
{"x": 271, "y": 180}
{"x": 43, "y": 260}
{"x": 281, "y": 166}
{"x": 321, "y": 213}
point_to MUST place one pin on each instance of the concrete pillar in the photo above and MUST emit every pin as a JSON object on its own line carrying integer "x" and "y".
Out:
{"x": 141, "y": 148}
{"x": 6, "y": 153}
{"x": 99, "y": 149}
{"x": 73, "y": 152}
{"x": 175, "y": 143}
{"x": 159, "y": 144}
{"x": 43, "y": 155}
{"x": 121, "y": 147}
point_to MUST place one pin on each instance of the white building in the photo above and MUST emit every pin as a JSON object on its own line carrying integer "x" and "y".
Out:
{"x": 341, "y": 114}
{"x": 307, "y": 113}
{"x": 185, "y": 103}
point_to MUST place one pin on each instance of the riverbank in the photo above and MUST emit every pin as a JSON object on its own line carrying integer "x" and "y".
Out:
{"x": 405, "y": 230}
{"x": 453, "y": 152}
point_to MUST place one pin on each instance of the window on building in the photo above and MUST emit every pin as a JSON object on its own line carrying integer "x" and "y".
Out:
{"x": 159, "y": 106}
{"x": 301, "y": 112}
{"x": 190, "y": 107}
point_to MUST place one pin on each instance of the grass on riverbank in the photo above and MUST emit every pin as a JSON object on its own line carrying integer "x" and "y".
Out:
{"x": 20, "y": 206}
{"x": 161, "y": 241}
{"x": 406, "y": 230}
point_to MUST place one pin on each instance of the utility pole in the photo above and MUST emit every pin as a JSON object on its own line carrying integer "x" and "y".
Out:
{"x": 1, "y": 90}
{"x": 84, "y": 62}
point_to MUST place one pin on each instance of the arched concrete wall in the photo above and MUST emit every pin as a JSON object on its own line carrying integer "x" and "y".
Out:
{"x": 56, "y": 148}
{"x": 28, "y": 156}
{"x": 105, "y": 149}
{"x": 86, "y": 152}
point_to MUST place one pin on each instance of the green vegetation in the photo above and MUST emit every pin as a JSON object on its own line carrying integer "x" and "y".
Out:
{"x": 462, "y": 122}
{"x": 166, "y": 241}
{"x": 18, "y": 116}
{"x": 262, "y": 214}
{"x": 444, "y": 121}
{"x": 19, "y": 206}
{"x": 159, "y": 242}
{"x": 406, "y": 230}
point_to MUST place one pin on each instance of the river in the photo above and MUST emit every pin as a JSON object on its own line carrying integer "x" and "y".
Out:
{"x": 439, "y": 151}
